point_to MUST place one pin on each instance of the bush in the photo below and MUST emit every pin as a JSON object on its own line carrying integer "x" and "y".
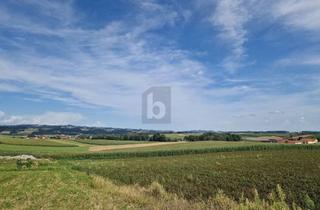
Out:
{"x": 24, "y": 164}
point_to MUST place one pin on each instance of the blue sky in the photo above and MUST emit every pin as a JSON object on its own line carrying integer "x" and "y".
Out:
{"x": 231, "y": 64}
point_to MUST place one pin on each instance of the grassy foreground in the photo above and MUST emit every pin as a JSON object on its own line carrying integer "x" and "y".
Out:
{"x": 54, "y": 185}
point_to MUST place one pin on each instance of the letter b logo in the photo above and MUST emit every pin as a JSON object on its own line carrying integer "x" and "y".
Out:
{"x": 156, "y": 105}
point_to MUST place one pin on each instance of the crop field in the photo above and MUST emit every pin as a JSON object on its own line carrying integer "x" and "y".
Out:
{"x": 70, "y": 148}
{"x": 191, "y": 145}
{"x": 108, "y": 142}
{"x": 200, "y": 176}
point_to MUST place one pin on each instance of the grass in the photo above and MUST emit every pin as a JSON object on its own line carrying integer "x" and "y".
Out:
{"x": 108, "y": 142}
{"x": 33, "y": 142}
{"x": 18, "y": 146}
{"x": 39, "y": 151}
{"x": 201, "y": 176}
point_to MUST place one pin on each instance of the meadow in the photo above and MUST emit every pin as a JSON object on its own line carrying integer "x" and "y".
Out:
{"x": 39, "y": 147}
{"x": 108, "y": 142}
{"x": 8, "y": 140}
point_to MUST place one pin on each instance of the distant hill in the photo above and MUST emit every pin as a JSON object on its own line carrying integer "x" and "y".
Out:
{"x": 72, "y": 130}
{"x": 66, "y": 130}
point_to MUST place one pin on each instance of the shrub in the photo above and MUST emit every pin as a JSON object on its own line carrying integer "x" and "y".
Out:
{"x": 24, "y": 164}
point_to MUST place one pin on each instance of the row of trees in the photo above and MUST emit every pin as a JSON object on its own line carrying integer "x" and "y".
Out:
{"x": 127, "y": 137}
{"x": 213, "y": 136}
{"x": 130, "y": 137}
{"x": 163, "y": 138}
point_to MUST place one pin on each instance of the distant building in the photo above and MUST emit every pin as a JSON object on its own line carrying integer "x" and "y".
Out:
{"x": 310, "y": 141}
{"x": 302, "y": 139}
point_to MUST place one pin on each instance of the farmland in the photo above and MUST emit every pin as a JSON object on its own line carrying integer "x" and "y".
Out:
{"x": 189, "y": 174}
{"x": 191, "y": 145}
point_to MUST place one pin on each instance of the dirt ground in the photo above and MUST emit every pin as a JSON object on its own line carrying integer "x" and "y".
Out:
{"x": 112, "y": 147}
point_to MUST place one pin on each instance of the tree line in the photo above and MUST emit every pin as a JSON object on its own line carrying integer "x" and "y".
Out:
{"x": 213, "y": 136}
{"x": 163, "y": 138}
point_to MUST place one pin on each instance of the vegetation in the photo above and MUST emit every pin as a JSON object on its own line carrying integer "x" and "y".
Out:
{"x": 200, "y": 176}
{"x": 61, "y": 129}
{"x": 24, "y": 164}
{"x": 54, "y": 185}
{"x": 178, "y": 136}
{"x": 131, "y": 137}
{"x": 182, "y": 175}
{"x": 82, "y": 148}
{"x": 81, "y": 151}
{"x": 213, "y": 136}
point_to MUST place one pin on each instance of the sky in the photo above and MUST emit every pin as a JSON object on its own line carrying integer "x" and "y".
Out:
{"x": 230, "y": 64}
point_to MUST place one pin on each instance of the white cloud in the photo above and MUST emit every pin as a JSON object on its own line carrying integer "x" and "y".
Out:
{"x": 48, "y": 118}
{"x": 304, "y": 59}
{"x": 4, "y": 87}
{"x": 231, "y": 17}
{"x": 298, "y": 13}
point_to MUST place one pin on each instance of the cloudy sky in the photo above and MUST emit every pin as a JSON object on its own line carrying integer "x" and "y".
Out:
{"x": 231, "y": 64}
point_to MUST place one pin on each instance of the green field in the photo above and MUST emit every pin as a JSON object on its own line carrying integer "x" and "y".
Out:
{"x": 33, "y": 142}
{"x": 108, "y": 142}
{"x": 70, "y": 148}
{"x": 191, "y": 145}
